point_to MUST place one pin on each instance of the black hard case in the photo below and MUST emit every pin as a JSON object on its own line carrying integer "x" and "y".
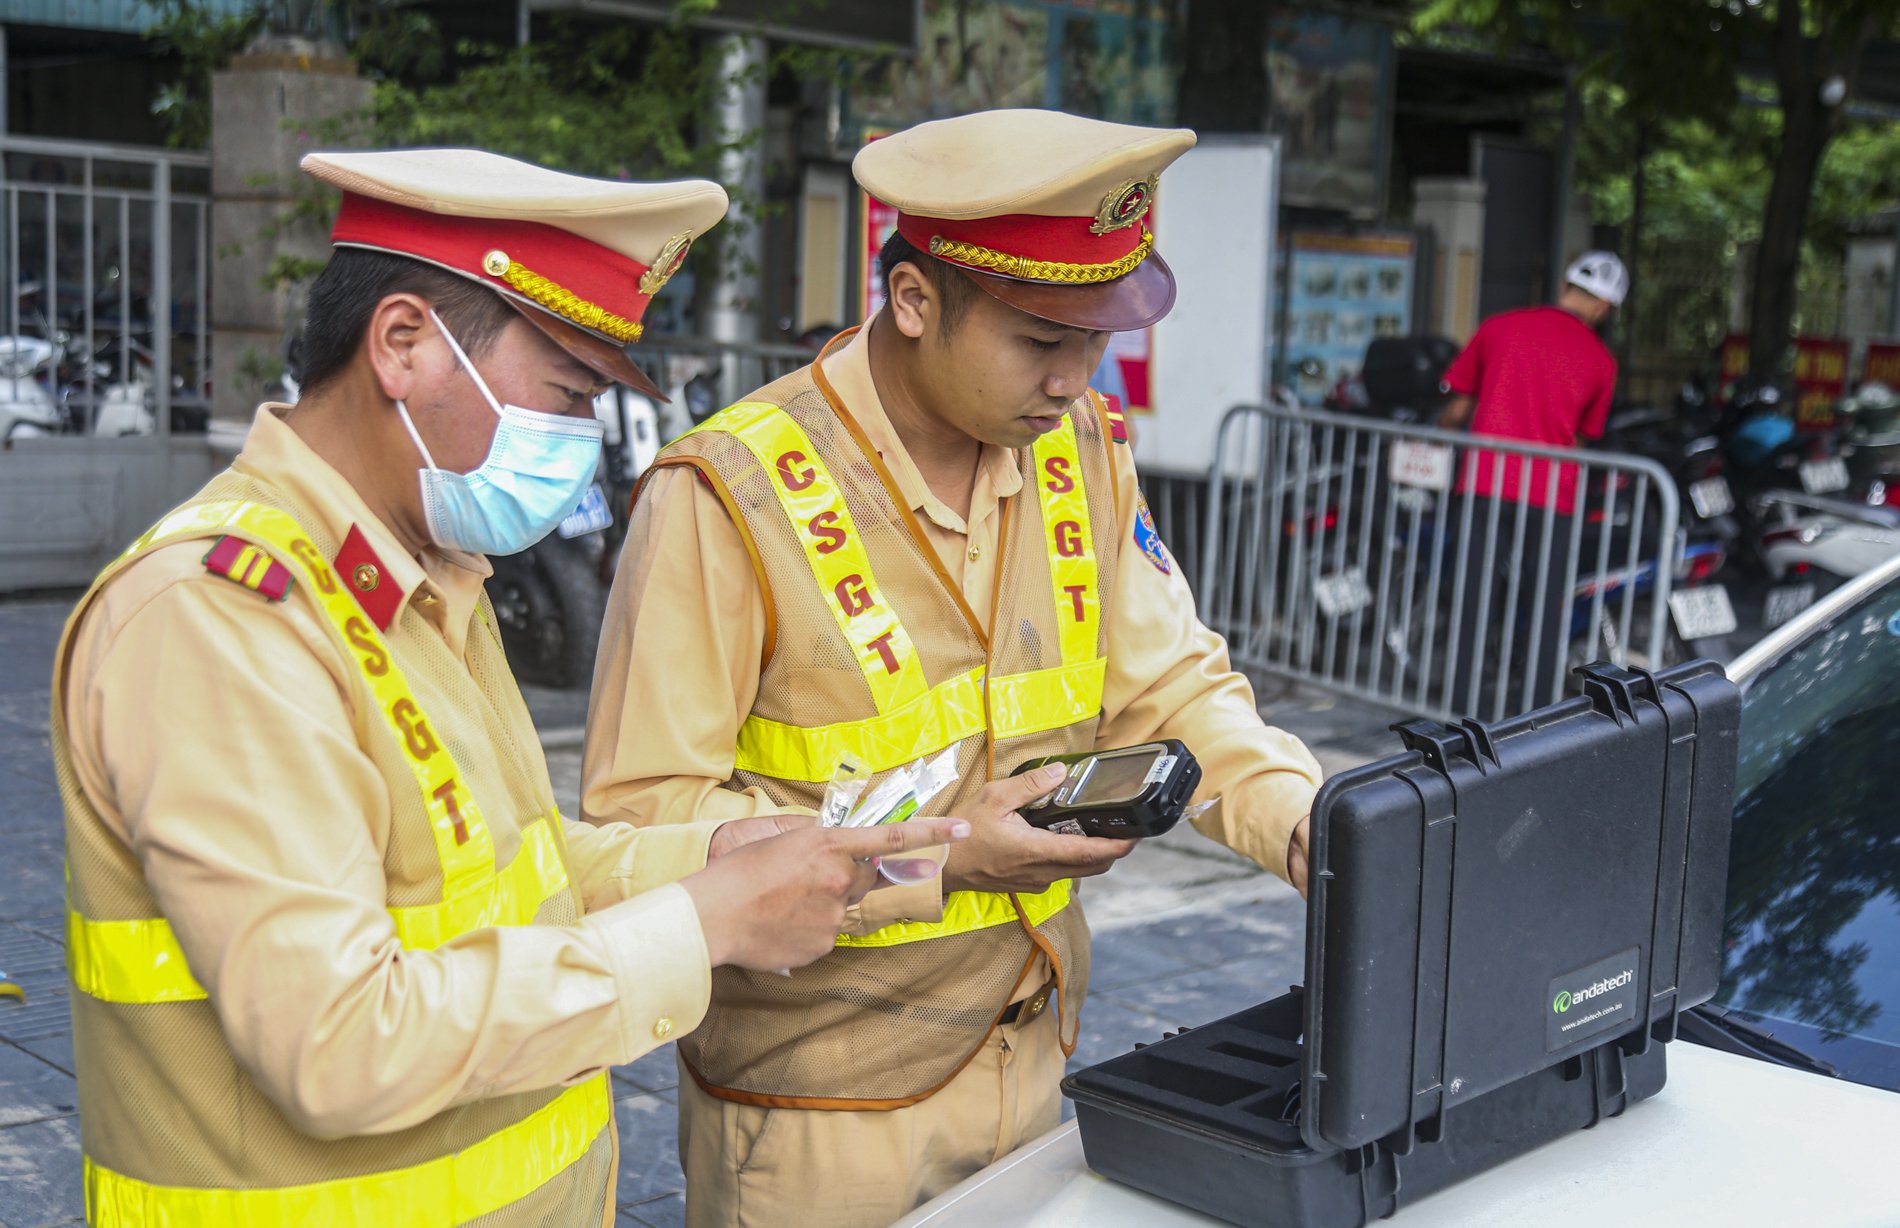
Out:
{"x": 1450, "y": 886}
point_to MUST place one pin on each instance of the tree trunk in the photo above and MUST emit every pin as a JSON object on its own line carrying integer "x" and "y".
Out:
{"x": 1778, "y": 259}
{"x": 1802, "y": 66}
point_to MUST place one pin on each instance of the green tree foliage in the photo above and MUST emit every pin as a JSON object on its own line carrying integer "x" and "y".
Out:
{"x": 618, "y": 101}
{"x": 204, "y": 41}
{"x": 1673, "y": 70}
{"x": 613, "y": 99}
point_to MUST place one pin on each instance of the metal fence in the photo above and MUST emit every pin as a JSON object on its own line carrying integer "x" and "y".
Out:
{"x": 107, "y": 259}
{"x": 104, "y": 357}
{"x": 703, "y": 376}
{"x": 1432, "y": 571}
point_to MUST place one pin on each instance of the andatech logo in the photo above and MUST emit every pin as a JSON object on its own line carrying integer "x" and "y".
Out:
{"x": 1568, "y": 998}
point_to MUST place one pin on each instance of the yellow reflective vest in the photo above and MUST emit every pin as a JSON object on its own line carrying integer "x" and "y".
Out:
{"x": 875, "y": 658}
{"x": 173, "y": 1130}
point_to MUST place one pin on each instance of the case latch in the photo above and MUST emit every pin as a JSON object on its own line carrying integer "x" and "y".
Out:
{"x": 1613, "y": 689}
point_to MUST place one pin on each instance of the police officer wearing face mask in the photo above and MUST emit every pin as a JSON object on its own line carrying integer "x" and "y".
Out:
{"x": 336, "y": 956}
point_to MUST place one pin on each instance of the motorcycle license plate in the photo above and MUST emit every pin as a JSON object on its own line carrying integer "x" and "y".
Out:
{"x": 1702, "y": 612}
{"x": 1784, "y": 602}
{"x": 1711, "y": 498}
{"x": 1343, "y": 593}
{"x": 590, "y": 517}
{"x": 1824, "y": 477}
{"x": 1424, "y": 465}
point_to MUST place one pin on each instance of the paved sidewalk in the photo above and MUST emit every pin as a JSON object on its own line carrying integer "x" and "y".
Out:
{"x": 1184, "y": 932}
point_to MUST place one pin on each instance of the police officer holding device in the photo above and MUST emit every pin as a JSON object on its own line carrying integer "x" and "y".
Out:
{"x": 932, "y": 537}
{"x": 336, "y": 957}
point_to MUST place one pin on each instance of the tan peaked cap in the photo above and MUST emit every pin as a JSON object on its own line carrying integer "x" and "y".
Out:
{"x": 1022, "y": 160}
{"x": 579, "y": 257}
{"x": 1045, "y": 210}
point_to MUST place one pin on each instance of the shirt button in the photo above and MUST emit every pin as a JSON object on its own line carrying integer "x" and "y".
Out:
{"x": 425, "y": 599}
{"x": 662, "y": 1027}
{"x": 976, "y": 552}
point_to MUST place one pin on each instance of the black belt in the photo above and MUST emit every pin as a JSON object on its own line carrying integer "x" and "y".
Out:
{"x": 1028, "y": 1009}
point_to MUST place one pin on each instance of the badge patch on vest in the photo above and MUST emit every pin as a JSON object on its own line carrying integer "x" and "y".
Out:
{"x": 238, "y": 560}
{"x": 367, "y": 580}
{"x": 1148, "y": 539}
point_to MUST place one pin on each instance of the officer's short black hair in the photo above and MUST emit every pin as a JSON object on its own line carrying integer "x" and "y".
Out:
{"x": 952, "y": 285}
{"x": 341, "y": 300}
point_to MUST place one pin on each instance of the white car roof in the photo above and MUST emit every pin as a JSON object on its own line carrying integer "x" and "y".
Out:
{"x": 1729, "y": 1140}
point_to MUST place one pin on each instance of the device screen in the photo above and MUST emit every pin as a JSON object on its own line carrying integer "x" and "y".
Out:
{"x": 1116, "y": 778}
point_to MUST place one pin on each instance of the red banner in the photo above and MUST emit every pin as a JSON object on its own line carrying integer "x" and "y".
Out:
{"x": 1734, "y": 361}
{"x": 876, "y": 221}
{"x": 1820, "y": 380}
{"x": 1820, "y": 375}
{"x": 1883, "y": 364}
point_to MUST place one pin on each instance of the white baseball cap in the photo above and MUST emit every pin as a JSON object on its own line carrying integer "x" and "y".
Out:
{"x": 1601, "y": 274}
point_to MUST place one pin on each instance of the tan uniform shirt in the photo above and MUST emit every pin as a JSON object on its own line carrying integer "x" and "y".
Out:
{"x": 211, "y": 732}
{"x": 684, "y": 638}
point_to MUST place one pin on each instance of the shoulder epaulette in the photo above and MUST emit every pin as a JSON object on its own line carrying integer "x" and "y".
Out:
{"x": 1117, "y": 421}
{"x": 238, "y": 560}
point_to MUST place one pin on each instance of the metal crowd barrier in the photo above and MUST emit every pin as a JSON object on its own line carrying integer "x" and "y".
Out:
{"x": 1178, "y": 502}
{"x": 700, "y": 373}
{"x": 1432, "y": 571}
{"x": 107, "y": 257}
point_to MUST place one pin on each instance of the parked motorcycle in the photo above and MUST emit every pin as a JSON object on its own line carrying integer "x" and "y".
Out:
{"x": 1870, "y": 442}
{"x": 1401, "y": 379}
{"x": 1815, "y": 506}
{"x": 27, "y": 404}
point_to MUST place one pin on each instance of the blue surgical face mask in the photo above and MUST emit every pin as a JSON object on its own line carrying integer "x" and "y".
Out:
{"x": 537, "y": 470}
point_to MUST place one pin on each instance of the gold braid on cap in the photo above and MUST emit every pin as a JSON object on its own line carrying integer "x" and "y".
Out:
{"x": 571, "y": 306}
{"x": 1024, "y": 269}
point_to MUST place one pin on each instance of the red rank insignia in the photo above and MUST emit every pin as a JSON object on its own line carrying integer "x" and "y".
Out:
{"x": 238, "y": 560}
{"x": 1117, "y": 421}
{"x": 368, "y": 581}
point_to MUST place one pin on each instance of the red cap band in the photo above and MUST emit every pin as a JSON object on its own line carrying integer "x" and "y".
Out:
{"x": 578, "y": 269}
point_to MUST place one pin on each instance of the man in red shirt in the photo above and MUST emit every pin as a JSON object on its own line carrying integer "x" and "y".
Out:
{"x": 1541, "y": 375}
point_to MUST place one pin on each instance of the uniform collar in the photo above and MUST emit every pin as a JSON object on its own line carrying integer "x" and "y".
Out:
{"x": 383, "y": 577}
{"x": 846, "y": 365}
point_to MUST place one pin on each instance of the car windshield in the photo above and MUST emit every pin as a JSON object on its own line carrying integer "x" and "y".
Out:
{"x": 1813, "y": 921}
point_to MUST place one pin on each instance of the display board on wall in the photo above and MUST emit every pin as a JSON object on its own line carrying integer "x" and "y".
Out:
{"x": 1329, "y": 80}
{"x": 1342, "y": 291}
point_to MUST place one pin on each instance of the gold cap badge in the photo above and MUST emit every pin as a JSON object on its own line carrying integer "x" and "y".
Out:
{"x": 1124, "y": 206}
{"x": 672, "y": 256}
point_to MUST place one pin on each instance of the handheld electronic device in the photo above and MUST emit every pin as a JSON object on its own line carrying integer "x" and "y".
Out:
{"x": 1133, "y": 791}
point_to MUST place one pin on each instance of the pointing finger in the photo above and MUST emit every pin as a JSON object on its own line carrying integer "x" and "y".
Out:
{"x": 889, "y": 838}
